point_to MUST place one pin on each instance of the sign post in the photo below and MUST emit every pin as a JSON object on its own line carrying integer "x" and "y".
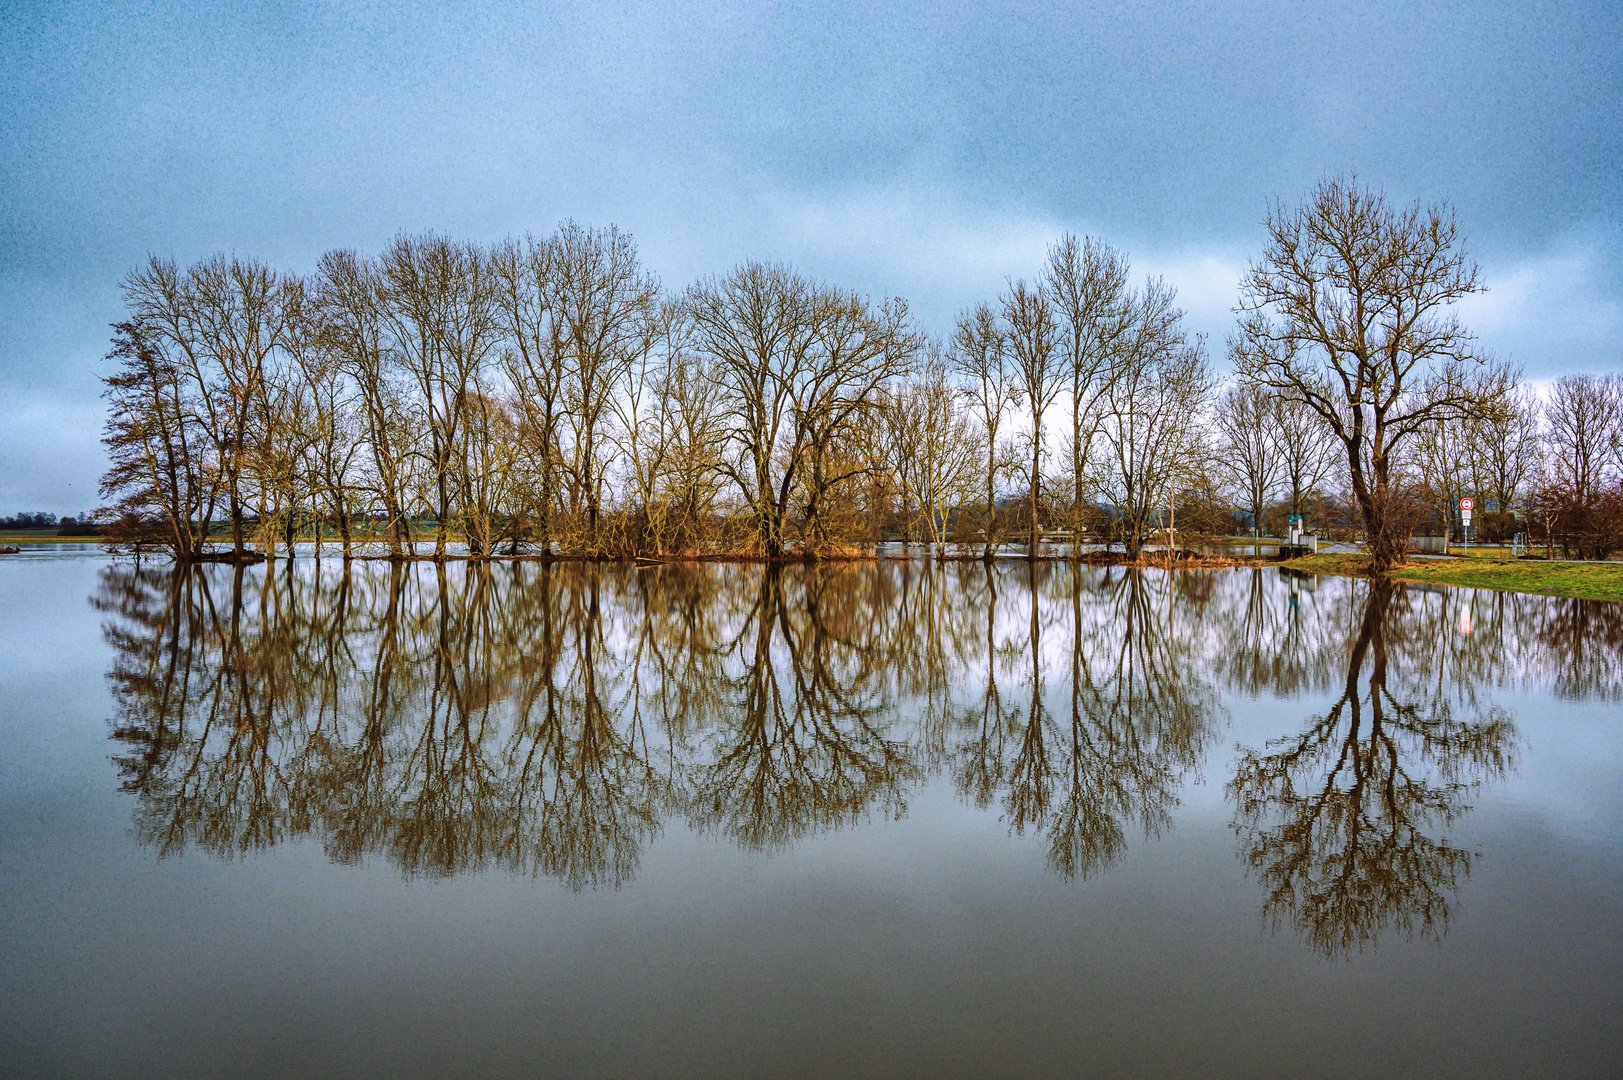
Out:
{"x": 1466, "y": 506}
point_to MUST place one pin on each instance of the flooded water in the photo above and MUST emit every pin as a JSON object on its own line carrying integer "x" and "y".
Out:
{"x": 877, "y": 819}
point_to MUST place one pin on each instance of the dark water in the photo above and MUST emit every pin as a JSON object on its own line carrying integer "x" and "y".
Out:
{"x": 876, "y": 820}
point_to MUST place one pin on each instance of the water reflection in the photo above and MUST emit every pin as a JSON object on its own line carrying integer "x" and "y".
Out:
{"x": 548, "y": 719}
{"x": 1338, "y": 821}
{"x": 802, "y": 737}
{"x": 1131, "y": 717}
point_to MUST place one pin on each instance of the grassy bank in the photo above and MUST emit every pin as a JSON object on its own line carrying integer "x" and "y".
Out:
{"x": 43, "y": 536}
{"x": 1581, "y": 581}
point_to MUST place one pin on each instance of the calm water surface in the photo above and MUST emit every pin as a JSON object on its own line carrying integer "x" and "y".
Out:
{"x": 887, "y": 819}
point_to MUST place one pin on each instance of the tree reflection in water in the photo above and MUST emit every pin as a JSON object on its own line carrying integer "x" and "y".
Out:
{"x": 1336, "y": 822}
{"x": 809, "y": 744}
{"x": 1131, "y": 717}
{"x": 547, "y": 719}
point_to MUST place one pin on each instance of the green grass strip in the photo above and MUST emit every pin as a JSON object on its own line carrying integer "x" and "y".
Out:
{"x": 1579, "y": 581}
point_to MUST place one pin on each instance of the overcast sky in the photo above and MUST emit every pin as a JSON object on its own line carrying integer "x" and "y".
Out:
{"x": 911, "y": 150}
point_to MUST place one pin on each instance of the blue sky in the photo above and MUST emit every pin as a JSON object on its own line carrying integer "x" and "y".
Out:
{"x": 924, "y": 151}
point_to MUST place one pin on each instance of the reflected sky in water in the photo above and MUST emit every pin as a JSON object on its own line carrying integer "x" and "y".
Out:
{"x": 877, "y": 818}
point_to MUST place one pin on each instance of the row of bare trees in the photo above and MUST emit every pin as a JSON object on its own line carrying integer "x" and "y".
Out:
{"x": 1548, "y": 467}
{"x": 548, "y": 396}
{"x": 1575, "y": 499}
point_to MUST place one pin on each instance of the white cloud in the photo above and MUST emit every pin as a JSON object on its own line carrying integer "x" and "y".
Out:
{"x": 1208, "y": 284}
{"x": 1552, "y": 313}
{"x": 934, "y": 241}
{"x": 943, "y": 255}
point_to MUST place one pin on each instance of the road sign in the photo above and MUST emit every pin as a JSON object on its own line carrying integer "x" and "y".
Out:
{"x": 1467, "y": 505}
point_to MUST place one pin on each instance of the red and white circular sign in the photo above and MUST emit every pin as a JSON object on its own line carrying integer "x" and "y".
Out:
{"x": 1466, "y": 504}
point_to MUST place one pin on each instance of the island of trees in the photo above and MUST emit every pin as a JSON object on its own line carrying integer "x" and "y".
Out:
{"x": 547, "y": 397}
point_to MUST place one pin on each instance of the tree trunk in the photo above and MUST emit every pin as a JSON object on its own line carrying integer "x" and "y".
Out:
{"x": 443, "y": 510}
{"x": 236, "y": 524}
{"x": 1036, "y": 461}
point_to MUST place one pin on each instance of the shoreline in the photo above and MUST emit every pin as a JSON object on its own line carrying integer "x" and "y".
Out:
{"x": 1570, "y": 580}
{"x": 1567, "y": 579}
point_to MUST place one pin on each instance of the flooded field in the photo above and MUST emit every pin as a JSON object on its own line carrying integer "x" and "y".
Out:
{"x": 876, "y": 819}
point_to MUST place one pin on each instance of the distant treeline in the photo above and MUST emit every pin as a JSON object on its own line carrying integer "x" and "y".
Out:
{"x": 549, "y": 396}
{"x": 80, "y": 525}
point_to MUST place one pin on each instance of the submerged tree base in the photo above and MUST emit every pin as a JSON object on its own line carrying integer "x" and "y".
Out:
{"x": 1183, "y": 557}
{"x": 245, "y": 558}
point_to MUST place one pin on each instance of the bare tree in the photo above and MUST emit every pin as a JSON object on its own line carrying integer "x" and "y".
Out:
{"x": 669, "y": 432}
{"x": 1087, "y": 281}
{"x": 1306, "y": 448}
{"x": 1154, "y": 415}
{"x": 1585, "y": 418}
{"x": 1448, "y": 463}
{"x": 1347, "y": 312}
{"x": 858, "y": 349}
{"x": 221, "y": 321}
{"x": 797, "y": 361}
{"x": 979, "y": 353}
{"x": 348, "y": 297}
{"x": 933, "y": 445}
{"x": 1248, "y": 457}
{"x": 489, "y": 481}
{"x": 534, "y": 358}
{"x": 161, "y": 457}
{"x": 1581, "y": 497}
{"x": 333, "y": 440}
{"x": 439, "y": 306}
{"x": 1033, "y": 340}
{"x": 283, "y": 427}
{"x": 692, "y": 477}
{"x": 1509, "y": 440}
{"x": 606, "y": 308}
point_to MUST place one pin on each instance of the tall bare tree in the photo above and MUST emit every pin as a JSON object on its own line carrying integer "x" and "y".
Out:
{"x": 1585, "y": 418}
{"x": 349, "y": 295}
{"x": 439, "y": 305}
{"x": 1511, "y": 447}
{"x": 797, "y": 361}
{"x": 535, "y": 340}
{"x": 932, "y": 444}
{"x": 606, "y": 310}
{"x": 1348, "y": 312}
{"x": 334, "y": 431}
{"x": 222, "y": 321}
{"x": 1154, "y": 417}
{"x": 1248, "y": 457}
{"x": 1033, "y": 340}
{"x": 979, "y": 353}
{"x": 669, "y": 434}
{"x": 491, "y": 473}
{"x": 859, "y": 349}
{"x": 161, "y": 459}
{"x": 1087, "y": 280}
